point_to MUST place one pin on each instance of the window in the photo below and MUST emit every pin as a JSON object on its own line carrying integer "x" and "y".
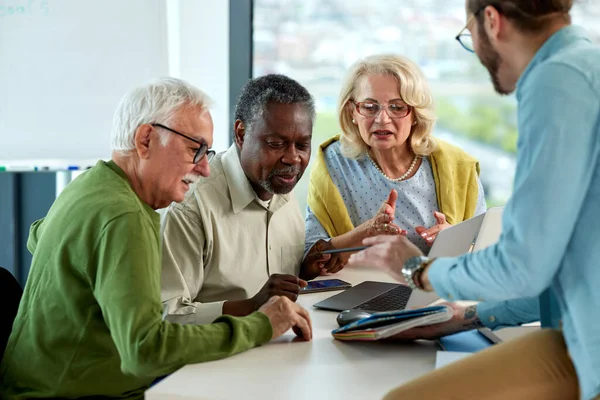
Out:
{"x": 315, "y": 41}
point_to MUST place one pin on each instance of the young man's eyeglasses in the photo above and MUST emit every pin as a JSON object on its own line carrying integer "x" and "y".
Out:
{"x": 396, "y": 109}
{"x": 464, "y": 36}
{"x": 201, "y": 151}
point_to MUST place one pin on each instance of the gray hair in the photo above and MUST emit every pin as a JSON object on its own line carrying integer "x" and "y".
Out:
{"x": 155, "y": 102}
{"x": 258, "y": 92}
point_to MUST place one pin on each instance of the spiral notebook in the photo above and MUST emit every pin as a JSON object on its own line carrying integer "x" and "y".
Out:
{"x": 385, "y": 324}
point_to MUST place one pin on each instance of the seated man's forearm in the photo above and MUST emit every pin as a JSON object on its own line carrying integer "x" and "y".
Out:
{"x": 471, "y": 318}
{"x": 182, "y": 310}
{"x": 205, "y": 313}
{"x": 501, "y": 314}
{"x": 495, "y": 315}
{"x": 465, "y": 319}
{"x": 239, "y": 308}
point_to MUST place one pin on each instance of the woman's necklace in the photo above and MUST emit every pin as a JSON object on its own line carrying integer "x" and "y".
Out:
{"x": 403, "y": 177}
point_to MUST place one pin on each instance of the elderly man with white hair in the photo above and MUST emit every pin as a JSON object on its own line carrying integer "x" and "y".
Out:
{"x": 90, "y": 322}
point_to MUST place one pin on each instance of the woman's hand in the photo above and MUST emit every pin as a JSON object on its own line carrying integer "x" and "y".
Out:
{"x": 381, "y": 223}
{"x": 430, "y": 234}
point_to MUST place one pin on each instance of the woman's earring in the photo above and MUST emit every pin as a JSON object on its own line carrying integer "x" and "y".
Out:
{"x": 353, "y": 121}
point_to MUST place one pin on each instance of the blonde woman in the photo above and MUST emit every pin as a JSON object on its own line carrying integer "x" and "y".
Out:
{"x": 385, "y": 173}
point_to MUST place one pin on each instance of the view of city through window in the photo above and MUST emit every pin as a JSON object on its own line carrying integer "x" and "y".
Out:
{"x": 315, "y": 41}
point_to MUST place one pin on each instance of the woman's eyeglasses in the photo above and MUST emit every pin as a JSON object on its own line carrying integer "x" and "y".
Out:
{"x": 372, "y": 109}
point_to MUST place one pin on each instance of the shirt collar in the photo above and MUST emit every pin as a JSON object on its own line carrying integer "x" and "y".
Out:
{"x": 242, "y": 193}
{"x": 559, "y": 39}
{"x": 116, "y": 169}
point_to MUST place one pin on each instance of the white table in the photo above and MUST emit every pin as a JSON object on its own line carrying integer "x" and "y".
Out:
{"x": 324, "y": 368}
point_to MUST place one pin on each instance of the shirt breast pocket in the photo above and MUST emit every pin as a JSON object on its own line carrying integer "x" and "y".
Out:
{"x": 291, "y": 257}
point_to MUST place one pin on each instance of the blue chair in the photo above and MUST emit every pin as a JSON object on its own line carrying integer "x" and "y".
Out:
{"x": 10, "y": 297}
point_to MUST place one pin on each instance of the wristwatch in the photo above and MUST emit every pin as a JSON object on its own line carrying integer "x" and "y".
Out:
{"x": 412, "y": 268}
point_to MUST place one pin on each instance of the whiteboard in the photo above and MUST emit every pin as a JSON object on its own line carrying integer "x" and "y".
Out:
{"x": 64, "y": 66}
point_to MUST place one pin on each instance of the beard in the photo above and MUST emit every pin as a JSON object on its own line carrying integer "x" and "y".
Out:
{"x": 491, "y": 60}
{"x": 274, "y": 188}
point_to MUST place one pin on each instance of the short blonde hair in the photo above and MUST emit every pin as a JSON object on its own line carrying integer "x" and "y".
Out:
{"x": 413, "y": 89}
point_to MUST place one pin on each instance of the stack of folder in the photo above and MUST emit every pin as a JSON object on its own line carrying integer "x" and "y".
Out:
{"x": 385, "y": 324}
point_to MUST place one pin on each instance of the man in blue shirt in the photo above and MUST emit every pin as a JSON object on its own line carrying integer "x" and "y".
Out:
{"x": 546, "y": 264}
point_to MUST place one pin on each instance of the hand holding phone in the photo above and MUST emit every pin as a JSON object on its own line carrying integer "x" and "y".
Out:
{"x": 279, "y": 285}
{"x": 325, "y": 285}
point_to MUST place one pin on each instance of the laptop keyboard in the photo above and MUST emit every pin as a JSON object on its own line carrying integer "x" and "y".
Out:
{"x": 395, "y": 299}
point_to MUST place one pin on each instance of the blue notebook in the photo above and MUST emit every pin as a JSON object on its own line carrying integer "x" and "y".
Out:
{"x": 385, "y": 324}
{"x": 466, "y": 342}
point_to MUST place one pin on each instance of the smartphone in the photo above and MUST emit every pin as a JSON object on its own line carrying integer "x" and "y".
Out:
{"x": 344, "y": 250}
{"x": 325, "y": 285}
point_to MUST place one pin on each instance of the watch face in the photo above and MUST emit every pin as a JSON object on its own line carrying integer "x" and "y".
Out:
{"x": 412, "y": 265}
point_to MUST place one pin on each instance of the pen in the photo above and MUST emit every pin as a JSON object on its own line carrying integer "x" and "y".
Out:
{"x": 344, "y": 250}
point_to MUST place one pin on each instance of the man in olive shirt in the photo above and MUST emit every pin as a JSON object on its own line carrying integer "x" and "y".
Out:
{"x": 238, "y": 237}
{"x": 90, "y": 321}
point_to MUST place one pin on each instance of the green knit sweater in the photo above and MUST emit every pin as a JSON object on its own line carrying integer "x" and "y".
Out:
{"x": 90, "y": 321}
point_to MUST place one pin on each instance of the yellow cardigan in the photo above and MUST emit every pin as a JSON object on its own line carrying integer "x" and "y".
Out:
{"x": 454, "y": 172}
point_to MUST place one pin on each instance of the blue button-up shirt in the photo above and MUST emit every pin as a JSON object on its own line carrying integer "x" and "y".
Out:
{"x": 550, "y": 240}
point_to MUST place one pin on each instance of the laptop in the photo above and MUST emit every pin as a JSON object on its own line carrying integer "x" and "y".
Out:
{"x": 473, "y": 234}
{"x": 490, "y": 230}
